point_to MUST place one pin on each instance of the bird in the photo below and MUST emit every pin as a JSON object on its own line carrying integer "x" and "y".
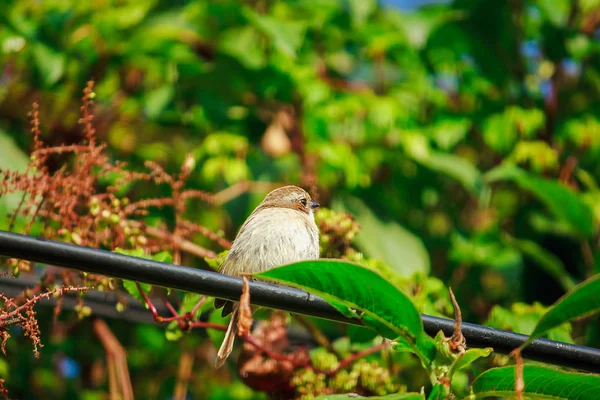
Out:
{"x": 281, "y": 230}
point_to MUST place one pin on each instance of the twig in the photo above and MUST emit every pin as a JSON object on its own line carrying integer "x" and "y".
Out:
{"x": 519, "y": 380}
{"x": 184, "y": 373}
{"x": 588, "y": 258}
{"x": 208, "y": 325}
{"x": 245, "y": 317}
{"x": 457, "y": 341}
{"x": 316, "y": 333}
{"x": 115, "y": 354}
{"x": 184, "y": 245}
{"x": 353, "y": 358}
{"x": 567, "y": 170}
{"x": 181, "y": 319}
{"x": 277, "y": 356}
{"x": 240, "y": 188}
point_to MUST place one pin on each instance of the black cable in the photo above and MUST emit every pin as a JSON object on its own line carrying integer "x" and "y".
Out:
{"x": 272, "y": 296}
{"x": 105, "y": 305}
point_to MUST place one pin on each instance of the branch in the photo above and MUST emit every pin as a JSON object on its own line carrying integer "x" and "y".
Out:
{"x": 116, "y": 357}
{"x": 184, "y": 245}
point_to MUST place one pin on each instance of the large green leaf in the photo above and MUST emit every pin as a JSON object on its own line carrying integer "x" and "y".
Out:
{"x": 540, "y": 383}
{"x": 350, "y": 287}
{"x": 565, "y": 204}
{"x": 581, "y": 301}
{"x": 385, "y": 240}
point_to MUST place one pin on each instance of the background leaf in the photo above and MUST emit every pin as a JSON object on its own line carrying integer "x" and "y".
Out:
{"x": 545, "y": 259}
{"x": 565, "y": 204}
{"x": 385, "y": 240}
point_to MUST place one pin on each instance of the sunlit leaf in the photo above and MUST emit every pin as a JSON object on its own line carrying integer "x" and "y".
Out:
{"x": 540, "y": 382}
{"x": 50, "y": 63}
{"x": 244, "y": 45}
{"x": 286, "y": 36}
{"x": 157, "y": 100}
{"x": 467, "y": 358}
{"x": 360, "y": 10}
{"x": 11, "y": 159}
{"x": 581, "y": 301}
{"x": 501, "y": 131}
{"x": 350, "y": 287}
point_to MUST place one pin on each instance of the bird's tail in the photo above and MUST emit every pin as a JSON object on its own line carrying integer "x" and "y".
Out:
{"x": 227, "y": 344}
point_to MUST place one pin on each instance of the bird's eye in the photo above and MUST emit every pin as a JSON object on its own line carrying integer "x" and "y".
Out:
{"x": 303, "y": 201}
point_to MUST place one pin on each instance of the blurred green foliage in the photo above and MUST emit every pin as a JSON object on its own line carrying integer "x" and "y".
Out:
{"x": 464, "y": 137}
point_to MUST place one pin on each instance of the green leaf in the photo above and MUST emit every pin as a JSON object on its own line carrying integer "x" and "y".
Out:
{"x": 455, "y": 167}
{"x": 14, "y": 159}
{"x": 565, "y": 204}
{"x": 583, "y": 300}
{"x": 360, "y": 10}
{"x": 467, "y": 358}
{"x": 50, "y": 63}
{"x": 132, "y": 289}
{"x": 481, "y": 250}
{"x": 130, "y": 286}
{"x": 352, "y": 396}
{"x": 163, "y": 256}
{"x": 523, "y": 318}
{"x": 286, "y": 36}
{"x": 540, "y": 383}
{"x": 501, "y": 131}
{"x": 157, "y": 100}
{"x": 188, "y": 303}
{"x": 439, "y": 392}
{"x": 416, "y": 146}
{"x": 244, "y": 45}
{"x": 545, "y": 259}
{"x": 385, "y": 240}
{"x": 350, "y": 287}
{"x": 215, "y": 263}
{"x": 448, "y": 132}
{"x": 418, "y": 24}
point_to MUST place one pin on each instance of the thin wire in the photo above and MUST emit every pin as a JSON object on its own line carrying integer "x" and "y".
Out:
{"x": 271, "y": 296}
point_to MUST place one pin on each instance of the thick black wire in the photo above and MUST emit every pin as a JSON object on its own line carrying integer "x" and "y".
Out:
{"x": 272, "y": 296}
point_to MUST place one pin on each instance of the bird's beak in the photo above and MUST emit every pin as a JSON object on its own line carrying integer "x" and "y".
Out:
{"x": 314, "y": 204}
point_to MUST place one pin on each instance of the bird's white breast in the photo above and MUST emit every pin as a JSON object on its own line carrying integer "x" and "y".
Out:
{"x": 273, "y": 237}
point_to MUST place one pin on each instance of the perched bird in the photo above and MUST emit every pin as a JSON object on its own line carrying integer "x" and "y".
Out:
{"x": 281, "y": 230}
